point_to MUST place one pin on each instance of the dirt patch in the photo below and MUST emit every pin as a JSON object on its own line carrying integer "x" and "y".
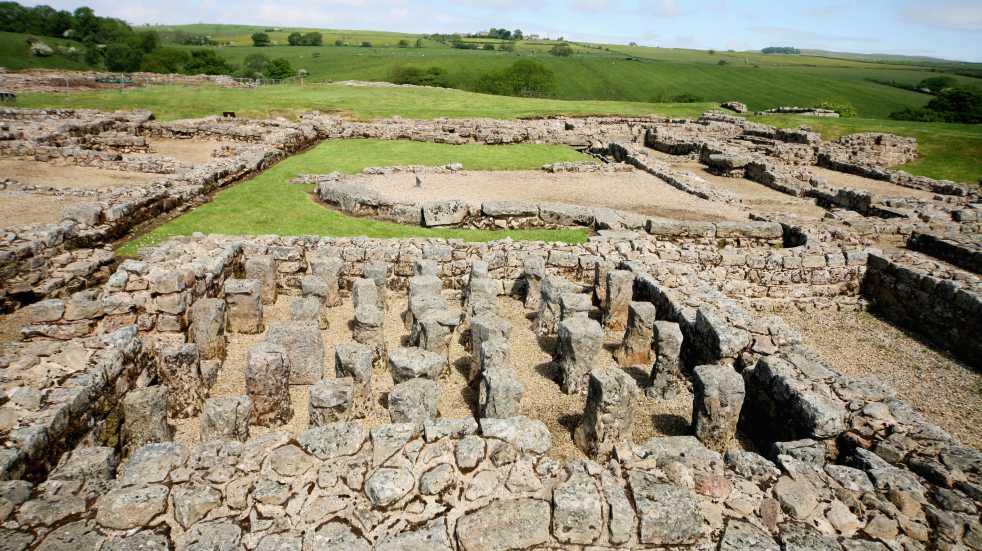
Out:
{"x": 948, "y": 392}
{"x": 636, "y": 191}
{"x": 876, "y": 187}
{"x": 72, "y": 177}
{"x": 543, "y": 399}
{"x": 18, "y": 208}
{"x": 193, "y": 152}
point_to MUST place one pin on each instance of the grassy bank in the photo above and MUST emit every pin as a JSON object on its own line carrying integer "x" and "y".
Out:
{"x": 269, "y": 204}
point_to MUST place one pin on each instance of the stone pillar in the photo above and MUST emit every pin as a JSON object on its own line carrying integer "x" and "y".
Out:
{"x": 639, "y": 339}
{"x": 574, "y": 304}
{"x": 436, "y": 329}
{"x": 145, "y": 417}
{"x": 262, "y": 268}
{"x": 426, "y": 267}
{"x": 600, "y": 271}
{"x": 267, "y": 378}
{"x": 482, "y": 297}
{"x": 424, "y": 295}
{"x": 208, "y": 327}
{"x": 367, "y": 329}
{"x": 410, "y": 363}
{"x": 226, "y": 418}
{"x": 499, "y": 393}
{"x": 331, "y": 401}
{"x": 378, "y": 272}
{"x": 180, "y": 370}
{"x": 579, "y": 342}
{"x": 413, "y": 401}
{"x": 533, "y": 273}
{"x": 484, "y": 328}
{"x": 309, "y": 309}
{"x": 244, "y": 305}
{"x": 314, "y": 286}
{"x": 608, "y": 415}
{"x": 354, "y": 361}
{"x": 620, "y": 289}
{"x": 365, "y": 292}
{"x": 495, "y": 353}
{"x": 550, "y": 305}
{"x": 666, "y": 374}
{"x": 718, "y": 393}
{"x": 329, "y": 269}
{"x": 304, "y": 346}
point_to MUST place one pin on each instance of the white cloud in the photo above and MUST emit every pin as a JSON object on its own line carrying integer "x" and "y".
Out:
{"x": 949, "y": 14}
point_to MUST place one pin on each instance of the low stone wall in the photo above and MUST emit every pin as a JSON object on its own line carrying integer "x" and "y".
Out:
{"x": 941, "y": 303}
{"x": 962, "y": 250}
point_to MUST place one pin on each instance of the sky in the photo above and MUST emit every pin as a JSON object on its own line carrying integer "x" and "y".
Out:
{"x": 950, "y": 29}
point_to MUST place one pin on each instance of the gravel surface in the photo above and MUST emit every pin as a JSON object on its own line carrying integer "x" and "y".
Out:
{"x": 20, "y": 209}
{"x": 71, "y": 176}
{"x": 543, "y": 399}
{"x": 877, "y": 187}
{"x": 196, "y": 151}
{"x": 859, "y": 344}
{"x": 628, "y": 191}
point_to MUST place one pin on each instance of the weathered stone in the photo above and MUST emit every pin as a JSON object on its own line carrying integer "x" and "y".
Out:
{"x": 718, "y": 393}
{"x": 666, "y": 374}
{"x": 334, "y": 535}
{"x": 622, "y": 521}
{"x": 607, "y": 418}
{"x": 385, "y": 486}
{"x": 574, "y": 304}
{"x": 740, "y": 535}
{"x": 444, "y": 213}
{"x": 428, "y": 538}
{"x": 524, "y": 434}
{"x": 577, "y": 510}
{"x": 378, "y": 272}
{"x": 329, "y": 270}
{"x": 333, "y": 440}
{"x": 364, "y": 291}
{"x": 304, "y": 346}
{"x": 413, "y": 401}
{"x": 267, "y": 376}
{"x": 309, "y": 309}
{"x": 499, "y": 392}
{"x": 131, "y": 507}
{"x": 436, "y": 329}
{"x": 354, "y": 361}
{"x": 153, "y": 463}
{"x": 331, "y": 401}
{"x": 193, "y": 502}
{"x": 485, "y": 328}
{"x": 145, "y": 417}
{"x": 504, "y": 524}
{"x": 669, "y": 515}
{"x": 579, "y": 343}
{"x": 88, "y": 463}
{"x": 207, "y": 328}
{"x": 436, "y": 480}
{"x": 482, "y": 296}
{"x": 620, "y": 289}
{"x": 262, "y": 268}
{"x": 243, "y": 299}
{"x": 180, "y": 370}
{"x": 367, "y": 329}
{"x": 534, "y": 271}
{"x": 797, "y": 497}
{"x": 469, "y": 452}
{"x": 639, "y": 338}
{"x": 550, "y": 307}
{"x": 410, "y": 363}
{"x": 226, "y": 418}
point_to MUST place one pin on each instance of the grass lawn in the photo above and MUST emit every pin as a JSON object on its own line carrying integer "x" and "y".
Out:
{"x": 178, "y": 102}
{"x": 948, "y": 151}
{"x": 269, "y": 204}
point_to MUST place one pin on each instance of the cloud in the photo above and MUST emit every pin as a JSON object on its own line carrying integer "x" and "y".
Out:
{"x": 948, "y": 14}
{"x": 590, "y": 5}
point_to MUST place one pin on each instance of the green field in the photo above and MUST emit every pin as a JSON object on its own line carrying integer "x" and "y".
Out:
{"x": 15, "y": 54}
{"x": 952, "y": 151}
{"x": 269, "y": 204}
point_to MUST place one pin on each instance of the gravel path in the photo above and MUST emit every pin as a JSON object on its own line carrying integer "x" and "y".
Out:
{"x": 860, "y": 344}
{"x": 877, "y": 187}
{"x": 20, "y": 209}
{"x": 196, "y": 151}
{"x": 71, "y": 176}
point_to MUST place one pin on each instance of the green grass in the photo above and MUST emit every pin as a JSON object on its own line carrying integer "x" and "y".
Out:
{"x": 269, "y": 204}
{"x": 15, "y": 54}
{"x": 170, "y": 103}
{"x": 948, "y": 151}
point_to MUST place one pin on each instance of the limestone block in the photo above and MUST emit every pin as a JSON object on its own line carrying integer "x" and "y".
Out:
{"x": 331, "y": 401}
{"x": 262, "y": 268}
{"x": 208, "y": 327}
{"x": 413, "y": 401}
{"x": 639, "y": 338}
{"x": 579, "y": 342}
{"x": 267, "y": 379}
{"x": 226, "y": 418}
{"x": 354, "y": 361}
{"x": 145, "y": 417}
{"x": 180, "y": 370}
{"x": 304, "y": 345}
{"x": 718, "y": 398}
{"x": 666, "y": 373}
{"x": 617, "y": 299}
{"x": 410, "y": 363}
{"x": 608, "y": 415}
{"x": 243, "y": 299}
{"x": 484, "y": 328}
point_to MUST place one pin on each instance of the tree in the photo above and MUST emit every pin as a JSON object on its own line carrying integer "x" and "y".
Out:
{"x": 419, "y": 42}
{"x": 507, "y": 47}
{"x": 313, "y": 39}
{"x": 279, "y": 68}
{"x": 937, "y": 84}
{"x": 561, "y": 50}
{"x": 123, "y": 58}
{"x": 488, "y": 46}
{"x": 403, "y": 43}
{"x": 366, "y": 44}
{"x": 147, "y": 41}
{"x": 254, "y": 66}
{"x": 339, "y": 42}
{"x": 206, "y": 62}
{"x": 165, "y": 60}
{"x": 517, "y": 34}
{"x": 523, "y": 78}
{"x": 260, "y": 39}
{"x": 434, "y": 76}
{"x": 295, "y": 39}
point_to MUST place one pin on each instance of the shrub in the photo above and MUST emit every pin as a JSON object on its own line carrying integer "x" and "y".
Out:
{"x": 260, "y": 39}
{"x": 561, "y": 50}
{"x": 253, "y": 66}
{"x": 488, "y": 46}
{"x": 206, "y": 62}
{"x": 403, "y": 43}
{"x": 723, "y": 62}
{"x": 366, "y": 44}
{"x": 843, "y": 108}
{"x": 295, "y": 39}
{"x": 279, "y": 68}
{"x": 507, "y": 47}
{"x": 950, "y": 105}
{"x": 312, "y": 39}
{"x": 433, "y": 76}
{"x": 339, "y": 42}
{"x": 937, "y": 84}
{"x": 525, "y": 78}
{"x": 686, "y": 98}
{"x": 419, "y": 42}
{"x": 165, "y": 60}
{"x": 123, "y": 58}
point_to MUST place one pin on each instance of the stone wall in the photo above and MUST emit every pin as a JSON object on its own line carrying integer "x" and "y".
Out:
{"x": 939, "y": 302}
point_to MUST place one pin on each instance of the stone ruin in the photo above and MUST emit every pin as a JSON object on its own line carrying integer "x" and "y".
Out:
{"x": 781, "y": 450}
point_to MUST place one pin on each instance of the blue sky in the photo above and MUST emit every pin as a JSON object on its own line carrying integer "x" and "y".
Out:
{"x": 943, "y": 28}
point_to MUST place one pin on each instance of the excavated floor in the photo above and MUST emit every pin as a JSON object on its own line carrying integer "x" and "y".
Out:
{"x": 542, "y": 400}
